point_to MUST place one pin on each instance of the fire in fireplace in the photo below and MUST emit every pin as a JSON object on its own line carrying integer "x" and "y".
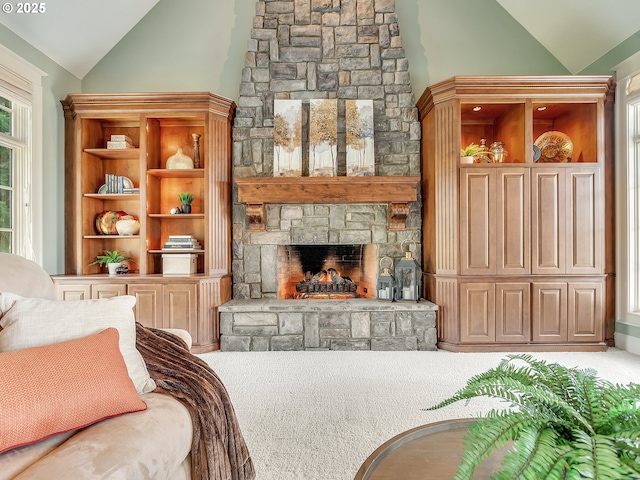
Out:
{"x": 327, "y": 271}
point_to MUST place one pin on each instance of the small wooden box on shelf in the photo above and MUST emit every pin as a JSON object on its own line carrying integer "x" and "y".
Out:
{"x": 151, "y": 127}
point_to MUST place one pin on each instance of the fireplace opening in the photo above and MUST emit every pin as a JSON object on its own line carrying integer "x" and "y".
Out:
{"x": 327, "y": 271}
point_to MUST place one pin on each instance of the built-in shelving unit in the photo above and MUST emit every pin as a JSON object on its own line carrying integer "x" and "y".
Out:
{"x": 157, "y": 124}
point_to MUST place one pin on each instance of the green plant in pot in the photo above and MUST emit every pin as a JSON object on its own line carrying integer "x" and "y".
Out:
{"x": 565, "y": 423}
{"x": 474, "y": 153}
{"x": 185, "y": 200}
{"x": 112, "y": 259}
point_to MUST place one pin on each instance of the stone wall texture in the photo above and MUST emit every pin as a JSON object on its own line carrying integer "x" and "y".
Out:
{"x": 247, "y": 326}
{"x": 313, "y": 49}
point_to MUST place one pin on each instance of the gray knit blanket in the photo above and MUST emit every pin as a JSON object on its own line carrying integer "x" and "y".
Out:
{"x": 218, "y": 450}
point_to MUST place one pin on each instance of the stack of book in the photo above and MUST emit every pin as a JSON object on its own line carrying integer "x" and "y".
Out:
{"x": 119, "y": 142}
{"x": 182, "y": 243}
{"x": 118, "y": 184}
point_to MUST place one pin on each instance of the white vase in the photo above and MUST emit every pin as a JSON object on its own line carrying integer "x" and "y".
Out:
{"x": 112, "y": 267}
{"x": 128, "y": 225}
{"x": 466, "y": 160}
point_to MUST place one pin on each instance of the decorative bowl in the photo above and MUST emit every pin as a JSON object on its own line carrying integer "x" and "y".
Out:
{"x": 555, "y": 147}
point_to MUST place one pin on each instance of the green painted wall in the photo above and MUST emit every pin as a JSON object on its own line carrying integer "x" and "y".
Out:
{"x": 55, "y": 87}
{"x": 202, "y": 47}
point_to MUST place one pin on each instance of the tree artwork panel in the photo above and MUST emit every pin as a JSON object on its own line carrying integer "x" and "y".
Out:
{"x": 287, "y": 138}
{"x": 360, "y": 133}
{"x": 323, "y": 138}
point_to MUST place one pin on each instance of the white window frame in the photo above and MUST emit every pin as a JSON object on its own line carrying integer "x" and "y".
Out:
{"x": 628, "y": 191}
{"x": 21, "y": 82}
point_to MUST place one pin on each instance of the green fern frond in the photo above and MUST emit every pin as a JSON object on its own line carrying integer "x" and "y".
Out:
{"x": 565, "y": 423}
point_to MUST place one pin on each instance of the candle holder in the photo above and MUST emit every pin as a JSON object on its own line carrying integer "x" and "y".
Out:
{"x": 386, "y": 282}
{"x": 408, "y": 277}
{"x": 196, "y": 150}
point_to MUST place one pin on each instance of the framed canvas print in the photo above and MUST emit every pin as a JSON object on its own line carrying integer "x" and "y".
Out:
{"x": 323, "y": 138}
{"x": 360, "y": 147}
{"x": 287, "y": 138}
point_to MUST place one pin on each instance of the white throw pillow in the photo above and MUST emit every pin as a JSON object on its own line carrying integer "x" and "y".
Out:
{"x": 34, "y": 322}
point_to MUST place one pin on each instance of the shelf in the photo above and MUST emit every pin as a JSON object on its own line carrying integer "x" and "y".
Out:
{"x": 398, "y": 192}
{"x": 115, "y": 154}
{"x": 177, "y": 173}
{"x": 113, "y": 196}
{"x": 155, "y": 251}
{"x": 260, "y": 190}
{"x": 176, "y": 216}
{"x": 102, "y": 237}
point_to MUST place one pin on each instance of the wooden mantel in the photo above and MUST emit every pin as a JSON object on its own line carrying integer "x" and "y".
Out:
{"x": 398, "y": 192}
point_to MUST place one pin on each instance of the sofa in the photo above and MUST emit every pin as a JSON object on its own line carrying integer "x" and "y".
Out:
{"x": 88, "y": 393}
{"x": 151, "y": 443}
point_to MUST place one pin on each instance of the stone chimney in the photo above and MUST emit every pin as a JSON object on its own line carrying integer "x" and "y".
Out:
{"x": 315, "y": 49}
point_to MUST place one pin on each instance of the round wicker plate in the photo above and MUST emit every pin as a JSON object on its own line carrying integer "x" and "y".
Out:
{"x": 555, "y": 147}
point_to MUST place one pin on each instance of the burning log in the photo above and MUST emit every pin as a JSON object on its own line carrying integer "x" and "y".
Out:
{"x": 326, "y": 281}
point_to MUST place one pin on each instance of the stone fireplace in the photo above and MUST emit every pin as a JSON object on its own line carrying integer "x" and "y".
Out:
{"x": 322, "y": 49}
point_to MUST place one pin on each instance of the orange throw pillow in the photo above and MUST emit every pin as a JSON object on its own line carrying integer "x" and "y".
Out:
{"x": 62, "y": 387}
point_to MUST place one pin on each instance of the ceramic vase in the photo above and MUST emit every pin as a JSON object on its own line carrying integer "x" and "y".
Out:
{"x": 128, "y": 225}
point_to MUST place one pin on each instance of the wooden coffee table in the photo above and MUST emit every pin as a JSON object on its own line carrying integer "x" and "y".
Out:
{"x": 431, "y": 452}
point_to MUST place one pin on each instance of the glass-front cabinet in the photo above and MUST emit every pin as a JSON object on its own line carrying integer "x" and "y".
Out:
{"x": 518, "y": 242}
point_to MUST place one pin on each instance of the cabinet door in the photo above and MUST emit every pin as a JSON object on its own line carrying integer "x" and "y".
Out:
{"x": 73, "y": 292}
{"x": 107, "y": 290}
{"x": 148, "y": 308}
{"x": 513, "y": 324}
{"x": 549, "y": 312}
{"x": 548, "y": 220}
{"x": 585, "y": 312}
{"x": 477, "y": 221}
{"x": 180, "y": 303}
{"x": 477, "y": 313}
{"x": 584, "y": 226}
{"x": 513, "y": 234}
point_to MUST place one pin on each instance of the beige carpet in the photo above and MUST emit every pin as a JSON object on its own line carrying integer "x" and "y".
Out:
{"x": 318, "y": 415}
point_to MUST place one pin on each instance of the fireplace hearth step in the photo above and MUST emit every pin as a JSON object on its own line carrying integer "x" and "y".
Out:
{"x": 355, "y": 324}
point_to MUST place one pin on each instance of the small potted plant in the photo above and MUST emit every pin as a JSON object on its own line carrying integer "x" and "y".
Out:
{"x": 185, "y": 200}
{"x": 112, "y": 260}
{"x": 474, "y": 153}
{"x": 565, "y": 423}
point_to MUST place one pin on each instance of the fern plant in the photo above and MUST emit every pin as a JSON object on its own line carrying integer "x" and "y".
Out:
{"x": 565, "y": 423}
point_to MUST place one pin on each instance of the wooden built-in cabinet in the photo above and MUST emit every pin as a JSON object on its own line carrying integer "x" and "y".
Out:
{"x": 519, "y": 255}
{"x": 158, "y": 124}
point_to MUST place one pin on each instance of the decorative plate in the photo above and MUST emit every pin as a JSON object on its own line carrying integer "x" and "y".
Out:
{"x": 536, "y": 153}
{"x": 554, "y": 147}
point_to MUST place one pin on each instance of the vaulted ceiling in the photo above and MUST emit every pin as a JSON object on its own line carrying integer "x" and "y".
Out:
{"x": 76, "y": 34}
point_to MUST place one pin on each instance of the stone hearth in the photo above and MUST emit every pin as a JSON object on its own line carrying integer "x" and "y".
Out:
{"x": 359, "y": 324}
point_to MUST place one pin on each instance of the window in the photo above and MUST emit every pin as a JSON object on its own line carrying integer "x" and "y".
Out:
{"x": 20, "y": 157}
{"x": 628, "y": 192}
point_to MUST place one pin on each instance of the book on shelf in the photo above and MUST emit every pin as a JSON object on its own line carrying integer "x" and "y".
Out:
{"x": 181, "y": 238}
{"x": 121, "y": 138}
{"x": 119, "y": 145}
{"x": 195, "y": 244}
{"x": 115, "y": 184}
{"x": 119, "y": 142}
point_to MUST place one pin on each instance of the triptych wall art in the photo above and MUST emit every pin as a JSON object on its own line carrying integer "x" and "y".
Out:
{"x": 287, "y": 138}
{"x": 323, "y": 138}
